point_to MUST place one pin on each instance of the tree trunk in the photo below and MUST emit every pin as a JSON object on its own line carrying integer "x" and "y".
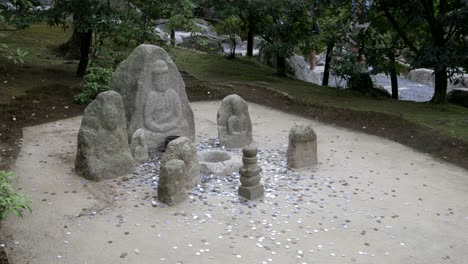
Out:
{"x": 85, "y": 45}
{"x": 233, "y": 47}
{"x": 328, "y": 58}
{"x": 173, "y": 40}
{"x": 250, "y": 42}
{"x": 440, "y": 89}
{"x": 393, "y": 75}
{"x": 440, "y": 68}
{"x": 70, "y": 50}
{"x": 280, "y": 65}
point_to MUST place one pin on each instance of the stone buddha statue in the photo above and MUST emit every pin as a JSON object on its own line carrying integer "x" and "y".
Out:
{"x": 237, "y": 123}
{"x": 163, "y": 109}
{"x": 154, "y": 96}
{"x": 234, "y": 125}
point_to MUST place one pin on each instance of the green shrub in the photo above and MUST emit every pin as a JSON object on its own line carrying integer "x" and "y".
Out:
{"x": 344, "y": 65}
{"x": 361, "y": 82}
{"x": 97, "y": 80}
{"x": 11, "y": 202}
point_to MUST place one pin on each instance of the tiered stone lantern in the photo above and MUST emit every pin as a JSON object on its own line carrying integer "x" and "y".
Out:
{"x": 250, "y": 175}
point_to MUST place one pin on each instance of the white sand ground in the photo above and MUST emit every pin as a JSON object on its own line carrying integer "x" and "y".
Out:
{"x": 369, "y": 200}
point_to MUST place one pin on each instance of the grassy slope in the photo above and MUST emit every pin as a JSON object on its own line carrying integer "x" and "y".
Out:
{"x": 42, "y": 68}
{"x": 449, "y": 119}
{"x": 39, "y": 40}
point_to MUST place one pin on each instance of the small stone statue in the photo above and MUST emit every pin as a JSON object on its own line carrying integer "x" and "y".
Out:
{"x": 234, "y": 124}
{"x": 250, "y": 175}
{"x": 171, "y": 187}
{"x": 138, "y": 146}
{"x": 302, "y": 149}
{"x": 183, "y": 149}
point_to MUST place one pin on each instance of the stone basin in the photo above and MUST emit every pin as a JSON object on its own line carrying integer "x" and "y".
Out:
{"x": 218, "y": 162}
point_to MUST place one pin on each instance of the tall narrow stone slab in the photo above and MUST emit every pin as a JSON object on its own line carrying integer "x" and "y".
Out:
{"x": 183, "y": 149}
{"x": 154, "y": 96}
{"x": 171, "y": 186}
{"x": 103, "y": 150}
{"x": 302, "y": 149}
{"x": 234, "y": 124}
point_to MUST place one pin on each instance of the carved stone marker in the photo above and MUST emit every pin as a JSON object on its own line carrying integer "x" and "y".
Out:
{"x": 183, "y": 149}
{"x": 234, "y": 124}
{"x": 171, "y": 186}
{"x": 302, "y": 149}
{"x": 250, "y": 175}
{"x": 103, "y": 150}
{"x": 138, "y": 146}
{"x": 154, "y": 96}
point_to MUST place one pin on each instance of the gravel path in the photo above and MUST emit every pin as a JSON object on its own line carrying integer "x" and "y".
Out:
{"x": 369, "y": 200}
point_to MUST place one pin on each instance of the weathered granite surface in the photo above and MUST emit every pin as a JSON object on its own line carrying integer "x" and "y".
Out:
{"x": 154, "y": 96}
{"x": 103, "y": 150}
{"x": 234, "y": 124}
{"x": 302, "y": 148}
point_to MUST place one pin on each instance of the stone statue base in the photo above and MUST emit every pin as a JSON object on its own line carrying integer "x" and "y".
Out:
{"x": 252, "y": 193}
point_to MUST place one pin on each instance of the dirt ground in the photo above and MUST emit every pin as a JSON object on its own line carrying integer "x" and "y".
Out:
{"x": 370, "y": 200}
{"x": 53, "y": 100}
{"x": 31, "y": 95}
{"x": 49, "y": 94}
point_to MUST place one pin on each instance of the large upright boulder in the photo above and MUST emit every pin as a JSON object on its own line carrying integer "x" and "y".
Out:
{"x": 422, "y": 75}
{"x": 300, "y": 68}
{"x": 183, "y": 149}
{"x": 234, "y": 124}
{"x": 103, "y": 150}
{"x": 154, "y": 96}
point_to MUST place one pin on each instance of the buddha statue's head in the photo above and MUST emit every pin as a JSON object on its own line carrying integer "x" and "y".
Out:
{"x": 159, "y": 75}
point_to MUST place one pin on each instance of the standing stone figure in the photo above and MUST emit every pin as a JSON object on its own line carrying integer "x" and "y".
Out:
{"x": 250, "y": 175}
{"x": 183, "y": 149}
{"x": 171, "y": 186}
{"x": 302, "y": 149}
{"x": 138, "y": 146}
{"x": 154, "y": 96}
{"x": 103, "y": 150}
{"x": 234, "y": 125}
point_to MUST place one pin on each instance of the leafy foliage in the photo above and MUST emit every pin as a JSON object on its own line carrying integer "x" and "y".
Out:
{"x": 344, "y": 65}
{"x": 11, "y": 202}
{"x": 231, "y": 26}
{"x": 94, "y": 15}
{"x": 334, "y": 21}
{"x": 285, "y": 26}
{"x": 19, "y": 56}
{"x": 435, "y": 33}
{"x": 21, "y": 13}
{"x": 97, "y": 80}
{"x": 181, "y": 16}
